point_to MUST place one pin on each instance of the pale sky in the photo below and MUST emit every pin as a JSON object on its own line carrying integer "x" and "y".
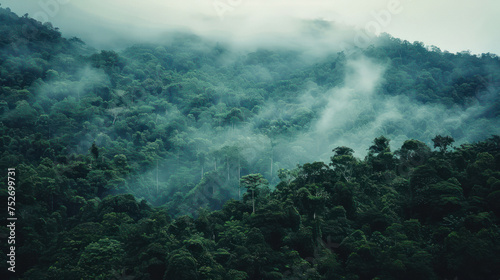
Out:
{"x": 456, "y": 25}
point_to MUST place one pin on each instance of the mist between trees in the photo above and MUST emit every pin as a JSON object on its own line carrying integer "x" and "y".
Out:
{"x": 171, "y": 112}
{"x": 232, "y": 140}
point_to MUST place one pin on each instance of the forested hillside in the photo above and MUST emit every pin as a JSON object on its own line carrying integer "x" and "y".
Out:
{"x": 193, "y": 159}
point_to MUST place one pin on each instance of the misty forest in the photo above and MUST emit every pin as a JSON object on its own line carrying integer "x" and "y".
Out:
{"x": 191, "y": 158}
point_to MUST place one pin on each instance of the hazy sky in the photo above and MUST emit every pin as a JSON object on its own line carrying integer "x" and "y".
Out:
{"x": 451, "y": 25}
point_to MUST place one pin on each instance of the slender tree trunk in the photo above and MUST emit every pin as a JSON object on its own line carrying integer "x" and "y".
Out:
{"x": 157, "y": 177}
{"x": 272, "y": 155}
{"x": 253, "y": 202}
{"x": 148, "y": 187}
{"x": 239, "y": 177}
{"x": 271, "y": 167}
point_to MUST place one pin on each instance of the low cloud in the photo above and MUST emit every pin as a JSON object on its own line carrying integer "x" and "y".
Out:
{"x": 451, "y": 25}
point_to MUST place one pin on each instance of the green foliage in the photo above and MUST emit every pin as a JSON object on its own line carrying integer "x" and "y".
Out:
{"x": 102, "y": 259}
{"x": 130, "y": 163}
{"x": 442, "y": 142}
{"x": 181, "y": 265}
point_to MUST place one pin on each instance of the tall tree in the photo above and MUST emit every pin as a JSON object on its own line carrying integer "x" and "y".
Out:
{"x": 343, "y": 162}
{"x": 380, "y": 145}
{"x": 442, "y": 142}
{"x": 252, "y": 182}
